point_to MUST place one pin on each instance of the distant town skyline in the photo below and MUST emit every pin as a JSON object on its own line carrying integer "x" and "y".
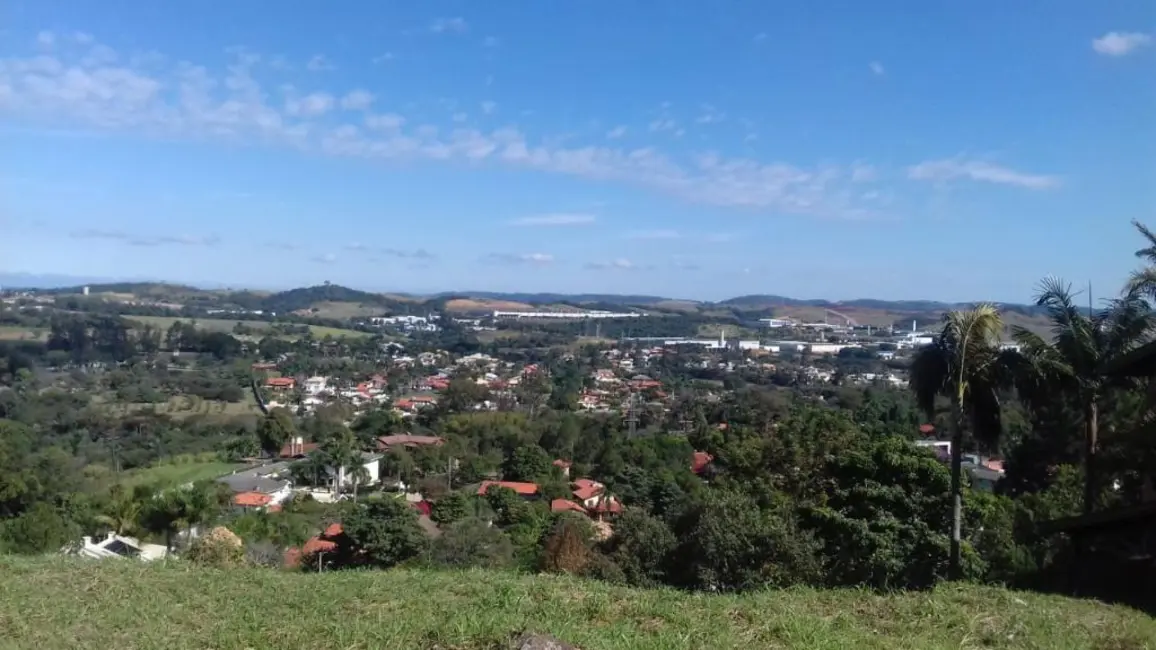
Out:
{"x": 951, "y": 153}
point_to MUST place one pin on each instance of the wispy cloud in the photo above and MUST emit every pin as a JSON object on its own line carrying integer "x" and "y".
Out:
{"x": 616, "y": 132}
{"x": 488, "y": 107}
{"x": 1120, "y": 43}
{"x": 942, "y": 171}
{"x": 281, "y": 246}
{"x": 357, "y": 100}
{"x": 312, "y": 105}
{"x": 319, "y": 63}
{"x": 449, "y": 25}
{"x": 380, "y": 59}
{"x": 374, "y": 251}
{"x": 555, "y": 219}
{"x": 876, "y": 68}
{"x": 325, "y": 258}
{"x": 653, "y": 234}
{"x": 145, "y": 241}
{"x": 92, "y": 88}
{"x": 46, "y": 39}
{"x": 709, "y": 115}
{"x": 491, "y": 41}
{"x": 620, "y": 264}
{"x": 536, "y": 259}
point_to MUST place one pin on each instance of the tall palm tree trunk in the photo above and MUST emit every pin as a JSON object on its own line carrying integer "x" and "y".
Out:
{"x": 1091, "y": 448}
{"x": 954, "y": 561}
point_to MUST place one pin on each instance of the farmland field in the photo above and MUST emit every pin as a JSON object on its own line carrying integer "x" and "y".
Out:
{"x": 179, "y": 473}
{"x": 227, "y": 325}
{"x": 16, "y": 333}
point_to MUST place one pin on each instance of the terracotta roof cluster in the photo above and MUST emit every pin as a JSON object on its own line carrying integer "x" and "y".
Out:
{"x": 585, "y": 488}
{"x": 280, "y": 382}
{"x": 566, "y": 505}
{"x": 326, "y": 542}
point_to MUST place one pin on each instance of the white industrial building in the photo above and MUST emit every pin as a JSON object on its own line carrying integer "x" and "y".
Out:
{"x": 574, "y": 315}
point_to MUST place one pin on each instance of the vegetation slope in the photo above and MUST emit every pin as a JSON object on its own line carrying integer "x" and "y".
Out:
{"x": 61, "y": 603}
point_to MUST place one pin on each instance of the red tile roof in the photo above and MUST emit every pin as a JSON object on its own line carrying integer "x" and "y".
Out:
{"x": 280, "y": 382}
{"x": 333, "y": 530}
{"x": 252, "y": 500}
{"x": 927, "y": 429}
{"x": 292, "y": 450}
{"x": 700, "y": 461}
{"x": 565, "y": 505}
{"x": 408, "y": 440}
{"x": 318, "y": 545}
{"x": 523, "y": 489}
{"x": 608, "y": 505}
{"x": 562, "y": 463}
{"x": 585, "y": 488}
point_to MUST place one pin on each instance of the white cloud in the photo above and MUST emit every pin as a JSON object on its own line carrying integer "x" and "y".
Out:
{"x": 327, "y": 258}
{"x": 537, "y": 259}
{"x": 709, "y": 115}
{"x": 319, "y": 64}
{"x": 385, "y": 121}
{"x": 491, "y": 41}
{"x": 449, "y": 25}
{"x": 94, "y": 90}
{"x": 357, "y": 100}
{"x": 488, "y": 107}
{"x": 147, "y": 241}
{"x": 620, "y": 264}
{"x": 383, "y": 58}
{"x": 555, "y": 219}
{"x": 1120, "y": 43}
{"x": 311, "y": 105}
{"x": 663, "y": 124}
{"x": 876, "y": 68}
{"x": 861, "y": 173}
{"x": 653, "y": 234}
{"x": 760, "y": 37}
{"x": 459, "y": 117}
{"x": 46, "y": 39}
{"x": 616, "y": 132}
{"x": 942, "y": 171}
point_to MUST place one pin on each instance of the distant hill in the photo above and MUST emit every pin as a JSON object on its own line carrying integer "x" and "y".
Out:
{"x": 330, "y": 294}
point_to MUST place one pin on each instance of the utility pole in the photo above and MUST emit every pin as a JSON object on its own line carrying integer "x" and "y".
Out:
{"x": 631, "y": 415}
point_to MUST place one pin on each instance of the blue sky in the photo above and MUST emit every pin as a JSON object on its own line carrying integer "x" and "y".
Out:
{"x": 832, "y": 149}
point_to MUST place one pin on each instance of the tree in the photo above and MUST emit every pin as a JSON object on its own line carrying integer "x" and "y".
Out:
{"x": 122, "y": 511}
{"x": 640, "y": 546}
{"x": 965, "y": 365}
{"x": 450, "y": 508}
{"x": 274, "y": 430}
{"x": 1069, "y": 367}
{"x": 527, "y": 463}
{"x": 381, "y": 533}
{"x": 473, "y": 543}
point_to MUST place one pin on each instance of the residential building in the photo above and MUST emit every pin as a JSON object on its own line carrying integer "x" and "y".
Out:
{"x": 117, "y": 546}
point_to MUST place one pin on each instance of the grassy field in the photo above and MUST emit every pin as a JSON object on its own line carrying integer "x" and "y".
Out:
{"x": 172, "y": 475}
{"x": 14, "y": 333}
{"x": 57, "y": 603}
{"x": 184, "y": 407}
{"x": 227, "y": 325}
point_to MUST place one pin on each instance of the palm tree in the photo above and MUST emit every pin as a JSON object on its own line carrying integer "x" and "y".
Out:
{"x": 1143, "y": 280}
{"x": 1069, "y": 367}
{"x": 122, "y": 512}
{"x": 965, "y": 365}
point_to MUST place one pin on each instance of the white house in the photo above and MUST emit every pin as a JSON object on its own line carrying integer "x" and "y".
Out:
{"x": 118, "y": 546}
{"x": 372, "y": 464}
{"x": 316, "y": 385}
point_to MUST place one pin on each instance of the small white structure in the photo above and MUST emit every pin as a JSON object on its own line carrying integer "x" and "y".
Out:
{"x": 372, "y": 464}
{"x": 316, "y": 385}
{"x": 119, "y": 546}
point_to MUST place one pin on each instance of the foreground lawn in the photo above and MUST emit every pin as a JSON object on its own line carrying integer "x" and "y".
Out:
{"x": 55, "y": 603}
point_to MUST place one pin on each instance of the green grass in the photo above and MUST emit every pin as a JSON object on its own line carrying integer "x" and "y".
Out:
{"x": 172, "y": 475}
{"x": 16, "y": 333}
{"x": 56, "y": 603}
{"x": 227, "y": 325}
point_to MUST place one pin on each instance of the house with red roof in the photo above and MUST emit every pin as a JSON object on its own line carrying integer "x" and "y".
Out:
{"x": 566, "y": 505}
{"x": 700, "y": 461}
{"x": 297, "y": 448}
{"x": 408, "y": 441}
{"x": 525, "y": 490}
{"x": 326, "y": 542}
{"x": 564, "y": 466}
{"x": 281, "y": 383}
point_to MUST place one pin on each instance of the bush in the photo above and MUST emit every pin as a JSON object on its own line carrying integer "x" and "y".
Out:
{"x": 473, "y": 543}
{"x": 219, "y": 548}
{"x": 640, "y": 547}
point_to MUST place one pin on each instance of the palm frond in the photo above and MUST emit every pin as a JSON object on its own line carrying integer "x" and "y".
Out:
{"x": 929, "y": 375}
{"x": 1148, "y": 253}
